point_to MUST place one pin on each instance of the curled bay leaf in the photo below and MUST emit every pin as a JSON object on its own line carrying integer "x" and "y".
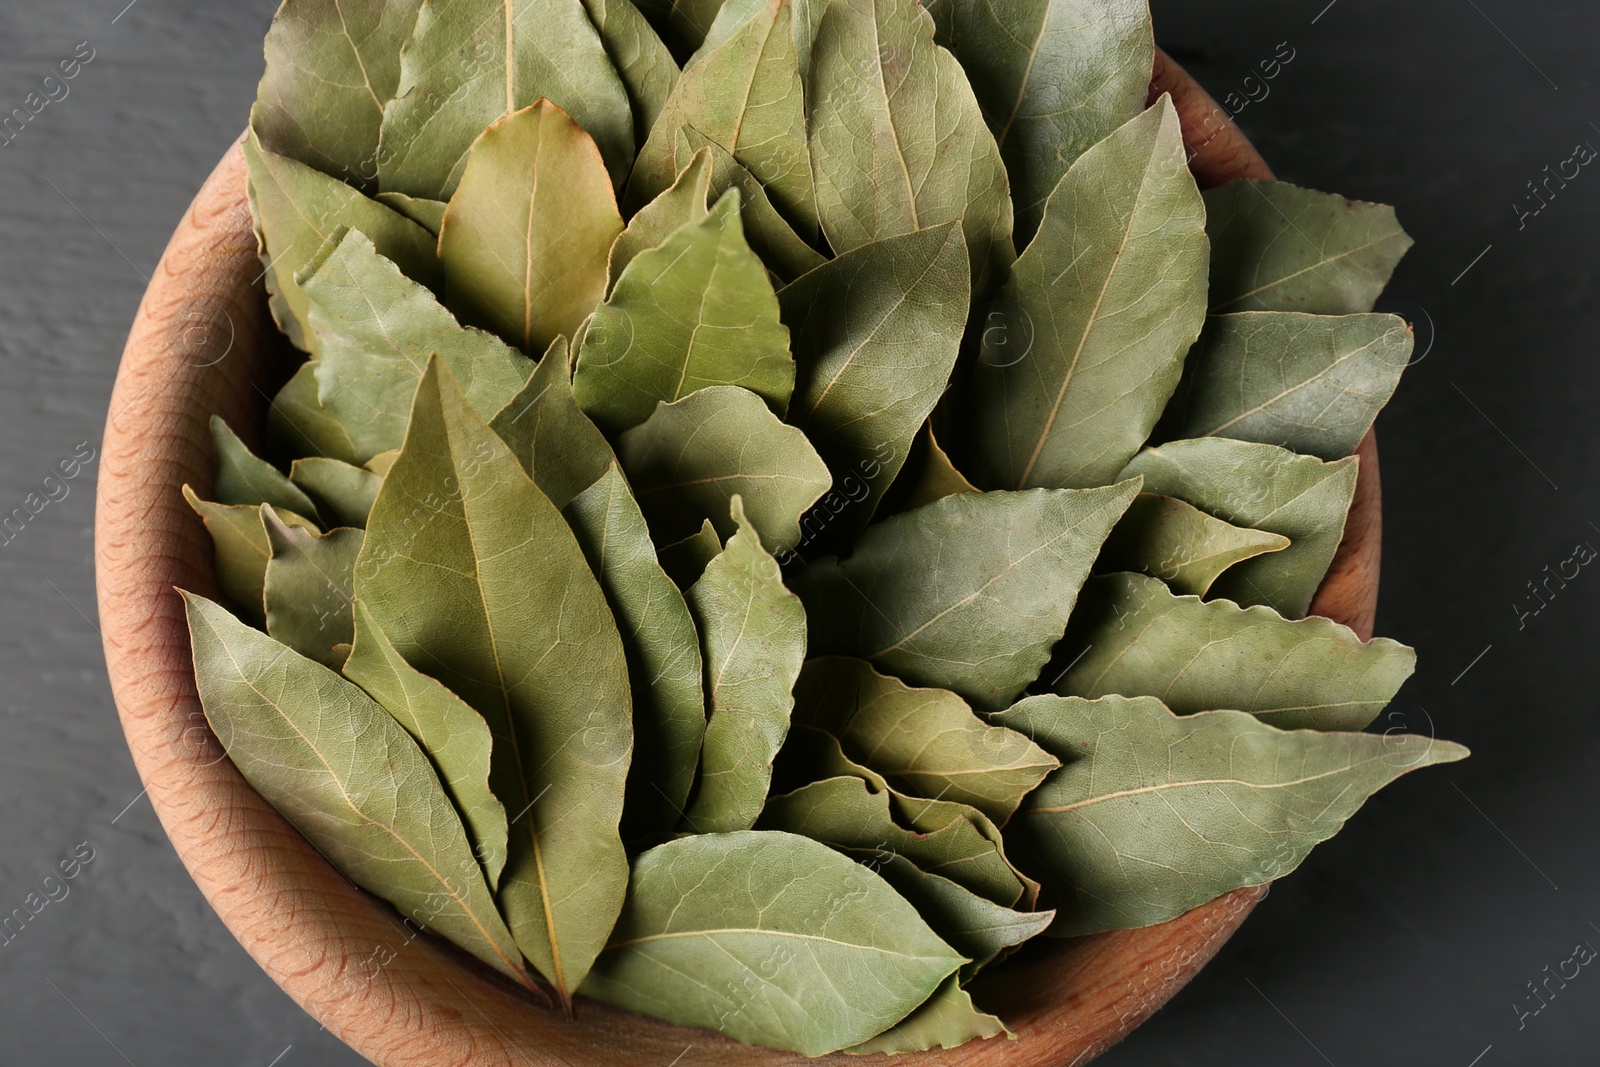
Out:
{"x": 1310, "y": 383}
{"x": 897, "y": 140}
{"x": 373, "y": 330}
{"x": 662, "y": 646}
{"x": 1085, "y": 344}
{"x": 245, "y": 478}
{"x": 331, "y": 68}
{"x": 875, "y": 333}
{"x": 1153, "y": 814}
{"x": 945, "y": 1020}
{"x": 927, "y": 742}
{"x": 790, "y": 944}
{"x": 1132, "y": 635}
{"x": 551, "y": 437}
{"x": 694, "y": 312}
{"x": 754, "y": 634}
{"x": 348, "y": 777}
{"x": 455, "y": 738}
{"x": 968, "y": 593}
{"x": 526, "y": 235}
{"x": 297, "y": 210}
{"x": 1278, "y": 247}
{"x": 479, "y": 582}
{"x": 687, "y": 461}
{"x": 308, "y": 588}
{"x": 1260, "y": 487}
{"x": 1167, "y": 538}
{"x": 239, "y": 542}
{"x": 471, "y": 62}
{"x": 1053, "y": 77}
{"x": 342, "y": 492}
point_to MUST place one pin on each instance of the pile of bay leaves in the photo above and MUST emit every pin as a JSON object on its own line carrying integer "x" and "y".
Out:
{"x": 789, "y": 499}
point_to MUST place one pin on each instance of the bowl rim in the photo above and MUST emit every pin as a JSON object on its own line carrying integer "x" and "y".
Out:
{"x": 201, "y": 343}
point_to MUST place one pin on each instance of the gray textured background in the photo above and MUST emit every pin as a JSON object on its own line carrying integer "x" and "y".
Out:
{"x": 1407, "y": 940}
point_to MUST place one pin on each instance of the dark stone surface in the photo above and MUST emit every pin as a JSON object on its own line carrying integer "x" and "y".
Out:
{"x": 1407, "y": 940}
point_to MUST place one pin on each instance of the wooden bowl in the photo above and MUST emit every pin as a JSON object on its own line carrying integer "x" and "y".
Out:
{"x": 203, "y": 343}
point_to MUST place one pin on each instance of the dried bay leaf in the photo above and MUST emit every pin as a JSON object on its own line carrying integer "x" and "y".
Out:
{"x": 526, "y": 235}
{"x": 331, "y": 68}
{"x": 298, "y": 425}
{"x": 348, "y": 777}
{"x": 479, "y": 582}
{"x": 239, "y": 541}
{"x": 1154, "y": 814}
{"x": 1261, "y": 487}
{"x": 342, "y": 492}
{"x": 1277, "y": 247}
{"x": 472, "y": 62}
{"x": 694, "y": 312}
{"x": 373, "y": 330}
{"x": 454, "y": 737}
{"x": 926, "y": 742}
{"x": 245, "y": 478}
{"x": 662, "y": 646}
{"x": 297, "y": 210}
{"x": 754, "y": 634}
{"x": 429, "y": 214}
{"x": 790, "y": 944}
{"x": 968, "y": 593}
{"x": 1106, "y": 300}
{"x": 308, "y": 588}
{"x": 641, "y": 59}
{"x": 687, "y": 202}
{"x": 685, "y": 561}
{"x": 744, "y": 94}
{"x": 1054, "y": 77}
{"x": 687, "y": 461}
{"x": 936, "y": 474}
{"x": 944, "y": 1020}
{"x": 554, "y": 441}
{"x": 784, "y": 252}
{"x": 898, "y": 142}
{"x": 875, "y": 333}
{"x": 1310, "y": 383}
{"x": 1131, "y": 635}
{"x": 1167, "y": 538}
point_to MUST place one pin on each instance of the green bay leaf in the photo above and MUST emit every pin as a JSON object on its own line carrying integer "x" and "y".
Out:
{"x": 551, "y": 437}
{"x": 1167, "y": 538}
{"x": 245, "y": 478}
{"x": 791, "y": 945}
{"x": 687, "y": 461}
{"x": 875, "y": 333}
{"x": 473, "y": 62}
{"x": 1132, "y": 635}
{"x": 754, "y": 635}
{"x": 1154, "y": 814}
{"x": 1277, "y": 247}
{"x": 454, "y": 737}
{"x": 308, "y": 587}
{"x": 1310, "y": 383}
{"x": 744, "y": 94}
{"x": 1261, "y": 487}
{"x": 479, "y": 582}
{"x": 331, "y": 68}
{"x": 526, "y": 235}
{"x": 342, "y": 492}
{"x": 373, "y": 330}
{"x": 1053, "y": 77}
{"x": 696, "y": 311}
{"x": 348, "y": 777}
{"x": 297, "y": 210}
{"x": 897, "y": 140}
{"x": 968, "y": 593}
{"x": 926, "y": 742}
{"x": 1085, "y": 345}
{"x": 662, "y": 646}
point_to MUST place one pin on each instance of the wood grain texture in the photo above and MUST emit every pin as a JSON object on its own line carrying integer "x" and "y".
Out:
{"x": 203, "y": 343}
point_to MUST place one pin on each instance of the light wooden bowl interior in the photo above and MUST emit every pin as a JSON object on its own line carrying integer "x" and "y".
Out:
{"x": 202, "y": 344}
